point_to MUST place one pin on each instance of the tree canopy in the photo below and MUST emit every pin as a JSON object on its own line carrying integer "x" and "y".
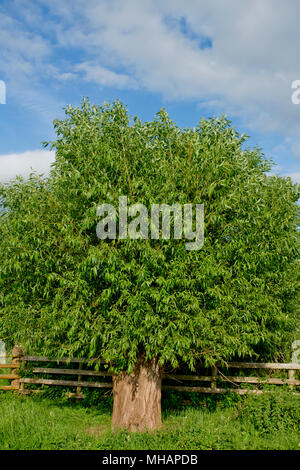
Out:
{"x": 65, "y": 292}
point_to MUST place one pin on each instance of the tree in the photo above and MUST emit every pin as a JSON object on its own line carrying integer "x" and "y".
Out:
{"x": 144, "y": 304}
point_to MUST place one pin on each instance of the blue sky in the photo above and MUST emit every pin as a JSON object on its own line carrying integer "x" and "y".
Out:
{"x": 193, "y": 57}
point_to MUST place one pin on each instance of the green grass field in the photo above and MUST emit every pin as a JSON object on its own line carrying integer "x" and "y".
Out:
{"x": 250, "y": 423}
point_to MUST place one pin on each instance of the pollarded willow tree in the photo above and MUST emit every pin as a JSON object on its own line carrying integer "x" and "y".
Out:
{"x": 144, "y": 304}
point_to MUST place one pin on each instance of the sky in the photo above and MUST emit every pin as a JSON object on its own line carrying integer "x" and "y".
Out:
{"x": 195, "y": 58}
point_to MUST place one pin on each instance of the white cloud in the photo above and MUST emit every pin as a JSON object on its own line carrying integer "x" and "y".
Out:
{"x": 104, "y": 76}
{"x": 14, "y": 164}
{"x": 248, "y": 70}
{"x": 155, "y": 45}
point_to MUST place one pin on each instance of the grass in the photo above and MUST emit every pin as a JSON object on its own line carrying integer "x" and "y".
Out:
{"x": 4, "y": 381}
{"x": 29, "y": 423}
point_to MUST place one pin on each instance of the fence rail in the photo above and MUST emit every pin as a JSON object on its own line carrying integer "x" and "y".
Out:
{"x": 64, "y": 360}
{"x": 68, "y": 383}
{"x": 183, "y": 381}
{"x": 267, "y": 365}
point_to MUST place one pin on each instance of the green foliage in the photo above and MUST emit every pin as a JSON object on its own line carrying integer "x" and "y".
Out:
{"x": 4, "y": 381}
{"x": 101, "y": 399}
{"x": 173, "y": 400}
{"x": 65, "y": 292}
{"x": 273, "y": 412}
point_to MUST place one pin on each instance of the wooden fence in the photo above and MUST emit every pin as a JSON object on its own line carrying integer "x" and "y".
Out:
{"x": 174, "y": 381}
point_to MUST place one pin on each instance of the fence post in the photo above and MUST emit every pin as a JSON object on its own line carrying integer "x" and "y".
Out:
{"x": 16, "y": 360}
{"x": 213, "y": 384}
{"x": 291, "y": 377}
{"x": 78, "y": 389}
{"x": 295, "y": 360}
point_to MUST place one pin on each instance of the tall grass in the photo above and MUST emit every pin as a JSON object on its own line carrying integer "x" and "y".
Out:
{"x": 40, "y": 423}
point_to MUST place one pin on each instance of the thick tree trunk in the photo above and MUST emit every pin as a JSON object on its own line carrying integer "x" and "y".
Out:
{"x": 137, "y": 398}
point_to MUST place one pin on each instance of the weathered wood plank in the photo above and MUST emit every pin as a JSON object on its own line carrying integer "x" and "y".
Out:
{"x": 8, "y": 376}
{"x": 198, "y": 378}
{"x": 183, "y": 388}
{"x": 210, "y": 390}
{"x": 261, "y": 380}
{"x": 266, "y": 365}
{"x": 253, "y": 380}
{"x": 292, "y": 378}
{"x": 8, "y": 387}
{"x": 76, "y": 395}
{"x": 9, "y": 366}
{"x": 239, "y": 391}
{"x": 71, "y": 383}
{"x": 61, "y": 360}
{"x": 29, "y": 392}
{"x": 50, "y": 370}
{"x": 214, "y": 372}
